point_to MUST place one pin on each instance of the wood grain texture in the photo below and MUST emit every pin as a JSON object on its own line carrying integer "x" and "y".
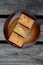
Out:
{"x": 9, "y": 6}
{"x": 15, "y": 56}
{"x": 2, "y": 21}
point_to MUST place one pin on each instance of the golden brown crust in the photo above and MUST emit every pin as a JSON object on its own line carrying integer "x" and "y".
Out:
{"x": 16, "y": 39}
{"x": 26, "y": 21}
{"x": 21, "y": 30}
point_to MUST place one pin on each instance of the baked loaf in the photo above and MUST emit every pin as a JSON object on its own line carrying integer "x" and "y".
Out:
{"x": 26, "y": 21}
{"x": 16, "y": 39}
{"x": 21, "y": 30}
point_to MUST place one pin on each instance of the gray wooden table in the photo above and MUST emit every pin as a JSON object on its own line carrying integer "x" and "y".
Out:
{"x": 15, "y": 56}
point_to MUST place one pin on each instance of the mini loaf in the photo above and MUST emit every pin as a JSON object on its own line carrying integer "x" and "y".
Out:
{"x": 26, "y": 21}
{"x": 21, "y": 30}
{"x": 16, "y": 39}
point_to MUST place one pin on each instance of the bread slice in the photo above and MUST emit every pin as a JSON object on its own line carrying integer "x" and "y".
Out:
{"x": 26, "y": 21}
{"x": 21, "y": 30}
{"x": 16, "y": 39}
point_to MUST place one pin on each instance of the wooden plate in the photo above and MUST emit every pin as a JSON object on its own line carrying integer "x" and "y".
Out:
{"x": 11, "y": 22}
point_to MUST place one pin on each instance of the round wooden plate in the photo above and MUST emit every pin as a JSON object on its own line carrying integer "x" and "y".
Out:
{"x": 11, "y": 22}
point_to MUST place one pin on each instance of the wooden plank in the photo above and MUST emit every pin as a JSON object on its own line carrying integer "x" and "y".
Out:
{"x": 15, "y": 56}
{"x": 2, "y": 21}
{"x": 10, "y": 6}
